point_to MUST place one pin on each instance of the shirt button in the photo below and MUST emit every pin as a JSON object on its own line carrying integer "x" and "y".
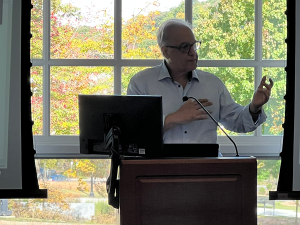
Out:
{"x": 178, "y": 85}
{"x": 185, "y": 131}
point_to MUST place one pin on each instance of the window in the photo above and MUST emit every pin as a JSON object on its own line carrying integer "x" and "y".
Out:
{"x": 86, "y": 47}
{"x": 77, "y": 194}
{"x": 92, "y": 48}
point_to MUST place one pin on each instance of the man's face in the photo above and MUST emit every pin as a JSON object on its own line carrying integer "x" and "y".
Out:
{"x": 176, "y": 60}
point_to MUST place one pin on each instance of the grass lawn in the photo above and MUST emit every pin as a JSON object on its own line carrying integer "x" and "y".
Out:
{"x": 31, "y": 220}
{"x": 278, "y": 205}
{"x": 278, "y": 220}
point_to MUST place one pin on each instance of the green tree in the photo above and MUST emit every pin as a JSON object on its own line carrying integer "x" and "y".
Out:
{"x": 226, "y": 29}
{"x": 268, "y": 172}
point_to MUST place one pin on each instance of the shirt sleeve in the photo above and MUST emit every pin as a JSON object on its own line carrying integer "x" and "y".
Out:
{"x": 134, "y": 87}
{"x": 235, "y": 117}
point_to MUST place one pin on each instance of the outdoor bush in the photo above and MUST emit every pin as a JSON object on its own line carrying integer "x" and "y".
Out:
{"x": 262, "y": 191}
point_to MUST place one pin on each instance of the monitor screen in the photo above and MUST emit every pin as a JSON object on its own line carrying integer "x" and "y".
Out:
{"x": 132, "y": 125}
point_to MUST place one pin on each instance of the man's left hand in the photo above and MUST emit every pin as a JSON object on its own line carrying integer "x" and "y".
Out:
{"x": 262, "y": 95}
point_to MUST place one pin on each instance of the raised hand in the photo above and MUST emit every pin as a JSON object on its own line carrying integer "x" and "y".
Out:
{"x": 261, "y": 95}
{"x": 188, "y": 112}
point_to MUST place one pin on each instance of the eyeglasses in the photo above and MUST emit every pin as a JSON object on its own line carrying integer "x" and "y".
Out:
{"x": 186, "y": 47}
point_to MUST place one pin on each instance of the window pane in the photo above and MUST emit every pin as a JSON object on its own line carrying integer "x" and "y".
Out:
{"x": 141, "y": 20}
{"x": 36, "y": 81}
{"x": 275, "y": 108}
{"x": 127, "y": 73}
{"x": 240, "y": 84}
{"x": 66, "y": 83}
{"x": 274, "y": 31}
{"x": 72, "y": 197}
{"x": 82, "y": 29}
{"x": 36, "y": 29}
{"x": 270, "y": 211}
{"x": 226, "y": 29}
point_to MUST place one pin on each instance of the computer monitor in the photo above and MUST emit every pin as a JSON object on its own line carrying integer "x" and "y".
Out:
{"x": 130, "y": 125}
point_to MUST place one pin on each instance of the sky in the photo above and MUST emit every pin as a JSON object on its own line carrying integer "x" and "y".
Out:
{"x": 129, "y": 7}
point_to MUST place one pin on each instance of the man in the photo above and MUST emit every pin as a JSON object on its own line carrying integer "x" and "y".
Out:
{"x": 176, "y": 77}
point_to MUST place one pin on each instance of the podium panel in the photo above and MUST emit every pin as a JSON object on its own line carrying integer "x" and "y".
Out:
{"x": 188, "y": 191}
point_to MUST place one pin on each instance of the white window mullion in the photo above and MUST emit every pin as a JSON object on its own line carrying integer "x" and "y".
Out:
{"x": 258, "y": 30}
{"x": 46, "y": 68}
{"x": 189, "y": 11}
{"x": 258, "y": 50}
{"x": 38, "y": 62}
{"x": 258, "y": 42}
{"x": 82, "y": 62}
{"x": 258, "y": 75}
{"x": 117, "y": 45}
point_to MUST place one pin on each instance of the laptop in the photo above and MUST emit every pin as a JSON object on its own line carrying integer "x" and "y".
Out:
{"x": 190, "y": 150}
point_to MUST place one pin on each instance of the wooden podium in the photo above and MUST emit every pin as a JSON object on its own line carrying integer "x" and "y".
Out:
{"x": 188, "y": 191}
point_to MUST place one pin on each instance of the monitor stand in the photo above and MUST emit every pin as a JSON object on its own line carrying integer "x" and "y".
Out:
{"x": 112, "y": 142}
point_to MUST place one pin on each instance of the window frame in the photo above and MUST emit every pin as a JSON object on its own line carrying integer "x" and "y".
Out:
{"x": 48, "y": 145}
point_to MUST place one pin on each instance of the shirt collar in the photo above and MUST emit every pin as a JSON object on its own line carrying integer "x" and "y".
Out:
{"x": 164, "y": 73}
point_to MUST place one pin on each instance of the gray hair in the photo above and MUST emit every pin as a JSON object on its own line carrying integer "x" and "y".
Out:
{"x": 162, "y": 37}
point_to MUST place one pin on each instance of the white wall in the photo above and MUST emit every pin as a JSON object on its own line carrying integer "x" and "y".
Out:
{"x": 10, "y": 96}
{"x": 5, "y": 39}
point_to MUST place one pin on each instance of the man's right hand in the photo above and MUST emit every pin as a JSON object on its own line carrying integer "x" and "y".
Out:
{"x": 188, "y": 112}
